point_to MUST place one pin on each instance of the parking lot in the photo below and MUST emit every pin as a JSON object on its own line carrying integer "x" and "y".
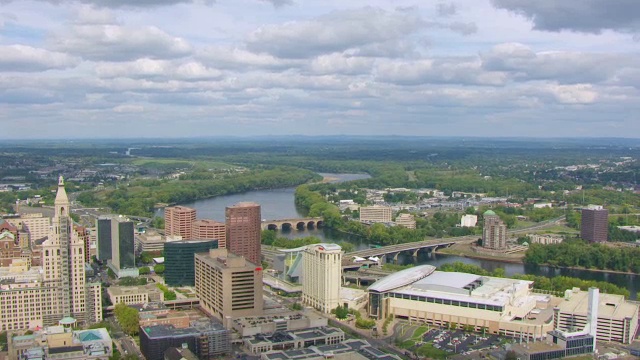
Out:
{"x": 459, "y": 342}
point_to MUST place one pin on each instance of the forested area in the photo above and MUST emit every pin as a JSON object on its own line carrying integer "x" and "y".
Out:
{"x": 578, "y": 253}
{"x": 140, "y": 196}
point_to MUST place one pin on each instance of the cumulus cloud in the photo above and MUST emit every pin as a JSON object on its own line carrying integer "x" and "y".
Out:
{"x": 573, "y": 94}
{"x": 341, "y": 64}
{"x": 335, "y": 32}
{"x": 160, "y": 70}
{"x": 589, "y": 16}
{"x": 438, "y": 71}
{"x": 560, "y": 66}
{"x": 23, "y": 58}
{"x": 119, "y": 43}
{"x": 243, "y": 60}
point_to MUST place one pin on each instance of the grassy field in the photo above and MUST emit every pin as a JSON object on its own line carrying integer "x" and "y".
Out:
{"x": 190, "y": 164}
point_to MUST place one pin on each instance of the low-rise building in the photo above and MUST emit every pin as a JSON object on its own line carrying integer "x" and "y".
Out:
{"x": 406, "y": 220}
{"x": 352, "y": 349}
{"x": 546, "y": 239}
{"x": 288, "y": 321}
{"x": 287, "y": 340}
{"x": 468, "y": 220}
{"x": 495, "y": 305}
{"x": 150, "y": 241}
{"x": 206, "y": 339}
{"x": 135, "y": 294}
{"x": 58, "y": 342}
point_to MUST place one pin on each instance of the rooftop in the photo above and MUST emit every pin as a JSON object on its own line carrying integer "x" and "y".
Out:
{"x": 402, "y": 278}
{"x": 610, "y": 306}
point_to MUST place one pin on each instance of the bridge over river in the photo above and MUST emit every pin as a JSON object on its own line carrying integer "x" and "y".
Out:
{"x": 288, "y": 224}
{"x": 392, "y": 251}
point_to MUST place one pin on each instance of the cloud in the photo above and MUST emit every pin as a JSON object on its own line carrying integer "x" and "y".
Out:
{"x": 119, "y": 43}
{"x": 445, "y": 10}
{"x": 438, "y": 71}
{"x": 160, "y": 70}
{"x": 341, "y": 64}
{"x": 128, "y": 108}
{"x": 22, "y": 58}
{"x": 243, "y": 60}
{"x": 588, "y": 16}
{"x": 279, "y": 3}
{"x": 561, "y": 66}
{"x": 573, "y": 94}
{"x": 123, "y": 3}
{"x": 334, "y": 32}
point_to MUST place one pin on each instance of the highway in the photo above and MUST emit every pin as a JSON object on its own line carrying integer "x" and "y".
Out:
{"x": 390, "y": 249}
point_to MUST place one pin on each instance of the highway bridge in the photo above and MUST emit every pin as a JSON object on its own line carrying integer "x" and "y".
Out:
{"x": 392, "y": 251}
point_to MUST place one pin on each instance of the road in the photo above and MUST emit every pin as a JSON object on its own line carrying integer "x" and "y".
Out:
{"x": 124, "y": 342}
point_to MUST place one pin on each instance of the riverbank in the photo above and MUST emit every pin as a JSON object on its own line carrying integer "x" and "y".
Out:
{"x": 464, "y": 250}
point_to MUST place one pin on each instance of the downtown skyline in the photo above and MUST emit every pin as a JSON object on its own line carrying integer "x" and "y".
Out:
{"x": 172, "y": 68}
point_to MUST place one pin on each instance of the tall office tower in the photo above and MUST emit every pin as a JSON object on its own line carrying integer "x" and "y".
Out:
{"x": 228, "y": 285}
{"x": 63, "y": 265}
{"x": 204, "y": 229}
{"x": 322, "y": 276}
{"x": 83, "y": 234}
{"x": 595, "y": 224}
{"x": 494, "y": 232}
{"x": 178, "y": 220}
{"x": 178, "y": 260}
{"x": 123, "y": 260}
{"x": 103, "y": 227}
{"x": 243, "y": 230}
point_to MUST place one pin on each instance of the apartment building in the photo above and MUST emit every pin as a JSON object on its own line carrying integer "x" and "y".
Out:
{"x": 375, "y": 213}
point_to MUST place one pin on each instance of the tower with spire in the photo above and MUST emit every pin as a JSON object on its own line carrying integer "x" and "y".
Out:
{"x": 63, "y": 265}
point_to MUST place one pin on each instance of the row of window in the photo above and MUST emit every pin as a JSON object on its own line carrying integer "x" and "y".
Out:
{"x": 466, "y": 304}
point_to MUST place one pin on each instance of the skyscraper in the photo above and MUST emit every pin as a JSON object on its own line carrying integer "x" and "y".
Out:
{"x": 178, "y": 221}
{"x": 63, "y": 265}
{"x": 243, "y": 230}
{"x": 57, "y": 293}
{"x": 321, "y": 276}
{"x": 228, "y": 285}
{"x": 123, "y": 261}
{"x": 178, "y": 260}
{"x": 494, "y": 232}
{"x": 595, "y": 224}
{"x": 103, "y": 239}
{"x": 204, "y": 229}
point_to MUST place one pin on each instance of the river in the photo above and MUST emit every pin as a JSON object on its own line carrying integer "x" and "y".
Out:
{"x": 279, "y": 204}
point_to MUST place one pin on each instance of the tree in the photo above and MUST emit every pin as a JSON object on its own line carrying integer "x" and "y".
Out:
{"x": 296, "y": 306}
{"x": 341, "y": 312}
{"x": 146, "y": 258}
{"x": 128, "y": 318}
{"x": 511, "y": 355}
{"x": 111, "y": 274}
{"x": 144, "y": 270}
{"x": 159, "y": 269}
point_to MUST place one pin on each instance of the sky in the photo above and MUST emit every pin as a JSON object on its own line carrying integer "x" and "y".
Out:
{"x": 194, "y": 68}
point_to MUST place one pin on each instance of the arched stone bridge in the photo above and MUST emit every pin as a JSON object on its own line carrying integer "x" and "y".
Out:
{"x": 290, "y": 224}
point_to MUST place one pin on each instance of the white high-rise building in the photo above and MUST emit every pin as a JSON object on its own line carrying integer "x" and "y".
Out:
{"x": 321, "y": 276}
